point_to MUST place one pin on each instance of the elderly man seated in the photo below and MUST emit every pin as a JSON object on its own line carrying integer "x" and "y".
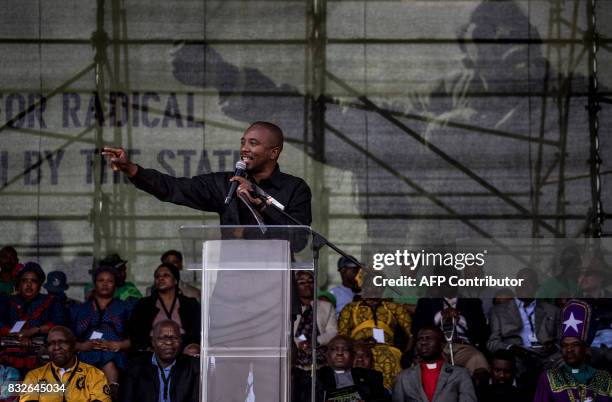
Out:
{"x": 65, "y": 378}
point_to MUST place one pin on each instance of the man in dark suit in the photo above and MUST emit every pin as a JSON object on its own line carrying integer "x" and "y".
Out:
{"x": 342, "y": 382}
{"x": 432, "y": 379}
{"x": 464, "y": 324}
{"x": 168, "y": 375}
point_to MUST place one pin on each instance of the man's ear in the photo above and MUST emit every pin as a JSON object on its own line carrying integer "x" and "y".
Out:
{"x": 275, "y": 153}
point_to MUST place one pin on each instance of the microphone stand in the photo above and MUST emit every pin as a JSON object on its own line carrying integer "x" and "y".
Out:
{"x": 318, "y": 241}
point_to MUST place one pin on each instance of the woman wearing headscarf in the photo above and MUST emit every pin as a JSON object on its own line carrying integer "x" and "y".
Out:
{"x": 166, "y": 303}
{"x": 100, "y": 325}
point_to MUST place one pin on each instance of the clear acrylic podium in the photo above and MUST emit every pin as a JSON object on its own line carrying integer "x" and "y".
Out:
{"x": 247, "y": 307}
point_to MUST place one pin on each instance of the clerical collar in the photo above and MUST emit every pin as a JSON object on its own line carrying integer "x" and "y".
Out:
{"x": 432, "y": 365}
{"x": 339, "y": 371}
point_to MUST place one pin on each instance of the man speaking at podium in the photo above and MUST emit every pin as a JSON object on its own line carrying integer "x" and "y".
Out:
{"x": 260, "y": 147}
{"x": 244, "y": 310}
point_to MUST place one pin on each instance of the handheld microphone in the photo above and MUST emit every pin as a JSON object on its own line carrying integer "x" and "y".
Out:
{"x": 240, "y": 169}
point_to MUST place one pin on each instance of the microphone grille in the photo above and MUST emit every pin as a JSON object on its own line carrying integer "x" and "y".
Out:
{"x": 241, "y": 165}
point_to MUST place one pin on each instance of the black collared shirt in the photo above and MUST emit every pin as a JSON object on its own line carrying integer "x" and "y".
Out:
{"x": 207, "y": 193}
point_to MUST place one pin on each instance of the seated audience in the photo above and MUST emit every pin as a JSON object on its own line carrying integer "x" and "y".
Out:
{"x": 379, "y": 320}
{"x": 528, "y": 328}
{"x": 432, "y": 379}
{"x": 327, "y": 328}
{"x": 9, "y": 266}
{"x": 165, "y": 303}
{"x": 100, "y": 326}
{"x": 126, "y": 291}
{"x": 345, "y": 292}
{"x": 340, "y": 381}
{"x": 83, "y": 382}
{"x": 56, "y": 285}
{"x": 463, "y": 324}
{"x": 28, "y": 318}
{"x": 576, "y": 380}
{"x": 502, "y": 385}
{"x": 166, "y": 375}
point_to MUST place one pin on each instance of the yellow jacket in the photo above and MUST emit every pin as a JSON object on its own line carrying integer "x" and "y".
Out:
{"x": 86, "y": 384}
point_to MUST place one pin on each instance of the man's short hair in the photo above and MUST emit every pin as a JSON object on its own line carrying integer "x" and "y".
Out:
{"x": 64, "y": 330}
{"x": 172, "y": 252}
{"x": 165, "y": 323}
{"x": 275, "y": 130}
{"x": 349, "y": 342}
{"x": 433, "y": 328}
{"x": 505, "y": 355}
{"x": 9, "y": 250}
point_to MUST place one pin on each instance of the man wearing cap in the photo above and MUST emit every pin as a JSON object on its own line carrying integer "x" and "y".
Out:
{"x": 592, "y": 281}
{"x": 29, "y": 317}
{"x": 57, "y": 285}
{"x": 350, "y": 287}
{"x": 575, "y": 380}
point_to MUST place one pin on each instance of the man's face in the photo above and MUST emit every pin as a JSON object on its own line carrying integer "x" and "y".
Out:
{"x": 573, "y": 351}
{"x": 29, "y": 285}
{"x": 105, "y": 284}
{"x": 363, "y": 357}
{"x": 502, "y": 371}
{"x": 258, "y": 150}
{"x": 349, "y": 276}
{"x": 339, "y": 355}
{"x": 167, "y": 343}
{"x": 305, "y": 286}
{"x": 61, "y": 349}
{"x": 530, "y": 284}
{"x": 429, "y": 345}
{"x": 174, "y": 260}
{"x": 590, "y": 281}
{"x": 8, "y": 259}
{"x": 121, "y": 275}
{"x": 164, "y": 279}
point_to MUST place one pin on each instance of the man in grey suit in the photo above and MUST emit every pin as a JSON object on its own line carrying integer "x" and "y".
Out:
{"x": 528, "y": 328}
{"x": 432, "y": 379}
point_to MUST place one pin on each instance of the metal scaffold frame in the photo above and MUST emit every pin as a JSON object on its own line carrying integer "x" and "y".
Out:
{"x": 113, "y": 214}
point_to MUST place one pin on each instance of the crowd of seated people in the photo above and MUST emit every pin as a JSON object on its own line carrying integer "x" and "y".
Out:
{"x": 91, "y": 346}
{"x": 117, "y": 345}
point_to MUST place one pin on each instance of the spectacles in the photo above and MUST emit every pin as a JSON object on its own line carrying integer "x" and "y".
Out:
{"x": 168, "y": 339}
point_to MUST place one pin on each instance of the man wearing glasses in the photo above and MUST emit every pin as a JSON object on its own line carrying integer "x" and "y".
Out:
{"x": 65, "y": 378}
{"x": 167, "y": 375}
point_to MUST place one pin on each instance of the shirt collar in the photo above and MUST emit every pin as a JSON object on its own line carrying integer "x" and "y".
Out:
{"x": 275, "y": 178}
{"x": 60, "y": 371}
{"x": 154, "y": 362}
{"x": 521, "y": 304}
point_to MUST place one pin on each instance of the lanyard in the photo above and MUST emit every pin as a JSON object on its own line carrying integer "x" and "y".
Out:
{"x": 76, "y": 367}
{"x": 168, "y": 312}
{"x": 165, "y": 380}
